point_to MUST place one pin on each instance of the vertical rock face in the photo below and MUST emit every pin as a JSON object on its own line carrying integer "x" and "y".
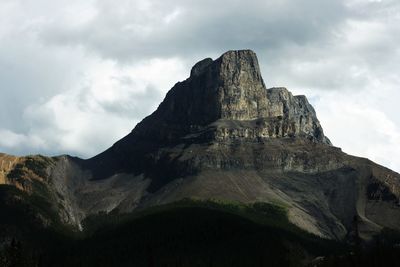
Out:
{"x": 223, "y": 101}
{"x": 295, "y": 115}
{"x": 241, "y": 90}
{"x": 231, "y": 88}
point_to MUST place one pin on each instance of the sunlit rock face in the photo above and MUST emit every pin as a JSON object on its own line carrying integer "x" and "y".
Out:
{"x": 231, "y": 89}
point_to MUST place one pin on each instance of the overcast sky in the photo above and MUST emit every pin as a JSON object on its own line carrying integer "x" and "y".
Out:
{"x": 76, "y": 76}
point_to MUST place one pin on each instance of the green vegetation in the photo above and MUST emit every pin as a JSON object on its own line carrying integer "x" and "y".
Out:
{"x": 259, "y": 212}
{"x": 200, "y": 233}
{"x": 29, "y": 227}
{"x": 185, "y": 233}
{"x": 376, "y": 256}
{"x": 28, "y": 213}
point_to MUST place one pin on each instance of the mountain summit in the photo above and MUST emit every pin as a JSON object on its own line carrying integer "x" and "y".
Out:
{"x": 224, "y": 100}
{"x": 231, "y": 89}
{"x": 221, "y": 134}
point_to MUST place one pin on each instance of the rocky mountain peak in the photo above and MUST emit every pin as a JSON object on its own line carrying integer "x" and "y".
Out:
{"x": 241, "y": 90}
{"x": 229, "y": 64}
{"x": 219, "y": 135}
{"x": 234, "y": 85}
{"x": 231, "y": 88}
{"x": 200, "y": 66}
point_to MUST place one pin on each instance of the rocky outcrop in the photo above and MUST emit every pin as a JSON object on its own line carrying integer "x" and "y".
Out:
{"x": 230, "y": 89}
{"x": 222, "y": 101}
{"x": 287, "y": 116}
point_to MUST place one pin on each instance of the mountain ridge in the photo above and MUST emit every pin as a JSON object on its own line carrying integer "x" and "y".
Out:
{"x": 218, "y": 92}
{"x": 220, "y": 134}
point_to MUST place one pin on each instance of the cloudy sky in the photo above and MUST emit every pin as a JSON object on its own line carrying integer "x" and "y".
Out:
{"x": 75, "y": 76}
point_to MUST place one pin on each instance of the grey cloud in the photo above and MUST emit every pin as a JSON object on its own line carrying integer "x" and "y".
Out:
{"x": 200, "y": 27}
{"x": 137, "y": 105}
{"x": 30, "y": 75}
{"x": 285, "y": 34}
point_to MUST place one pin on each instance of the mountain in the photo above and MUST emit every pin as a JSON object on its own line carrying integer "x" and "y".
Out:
{"x": 219, "y": 135}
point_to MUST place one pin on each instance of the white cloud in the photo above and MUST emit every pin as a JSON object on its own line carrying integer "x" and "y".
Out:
{"x": 10, "y": 139}
{"x": 15, "y": 141}
{"x": 359, "y": 128}
{"x": 101, "y": 108}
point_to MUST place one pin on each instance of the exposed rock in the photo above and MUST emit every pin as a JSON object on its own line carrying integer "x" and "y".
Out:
{"x": 230, "y": 89}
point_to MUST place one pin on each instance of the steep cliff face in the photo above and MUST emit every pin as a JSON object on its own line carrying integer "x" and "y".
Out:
{"x": 230, "y": 89}
{"x": 221, "y": 134}
{"x": 286, "y": 116}
{"x": 222, "y": 100}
